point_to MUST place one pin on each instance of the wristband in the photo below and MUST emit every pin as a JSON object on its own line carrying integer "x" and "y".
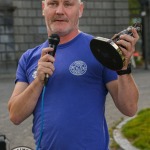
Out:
{"x": 127, "y": 71}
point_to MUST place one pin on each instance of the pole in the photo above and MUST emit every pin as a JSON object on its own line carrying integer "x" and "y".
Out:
{"x": 144, "y": 35}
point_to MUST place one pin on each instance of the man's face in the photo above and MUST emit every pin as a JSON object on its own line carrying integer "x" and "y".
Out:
{"x": 62, "y": 16}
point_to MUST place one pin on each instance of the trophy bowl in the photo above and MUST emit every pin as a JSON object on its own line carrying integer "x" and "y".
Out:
{"x": 107, "y": 52}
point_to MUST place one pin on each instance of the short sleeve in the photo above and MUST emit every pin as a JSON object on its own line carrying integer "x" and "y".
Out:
{"x": 21, "y": 70}
{"x": 109, "y": 75}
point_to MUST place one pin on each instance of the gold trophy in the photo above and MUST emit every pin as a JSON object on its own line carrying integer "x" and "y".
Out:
{"x": 107, "y": 52}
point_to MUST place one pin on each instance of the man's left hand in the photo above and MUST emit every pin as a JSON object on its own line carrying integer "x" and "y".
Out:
{"x": 127, "y": 45}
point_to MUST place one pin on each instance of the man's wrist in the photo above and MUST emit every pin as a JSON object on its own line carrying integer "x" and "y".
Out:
{"x": 125, "y": 71}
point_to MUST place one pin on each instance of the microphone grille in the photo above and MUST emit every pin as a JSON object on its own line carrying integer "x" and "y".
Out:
{"x": 54, "y": 39}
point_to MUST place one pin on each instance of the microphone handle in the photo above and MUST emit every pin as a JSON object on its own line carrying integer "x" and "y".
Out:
{"x": 52, "y": 53}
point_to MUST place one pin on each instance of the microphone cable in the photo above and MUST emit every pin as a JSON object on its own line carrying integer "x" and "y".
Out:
{"x": 53, "y": 42}
{"x": 42, "y": 118}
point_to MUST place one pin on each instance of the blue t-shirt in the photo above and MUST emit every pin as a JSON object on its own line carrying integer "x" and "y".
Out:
{"x": 74, "y": 103}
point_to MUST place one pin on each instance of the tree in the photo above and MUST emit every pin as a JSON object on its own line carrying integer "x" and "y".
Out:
{"x": 134, "y": 11}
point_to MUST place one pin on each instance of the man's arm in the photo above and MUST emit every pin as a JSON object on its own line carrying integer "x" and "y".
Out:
{"x": 124, "y": 90}
{"x": 24, "y": 97}
{"x": 125, "y": 94}
{"x": 23, "y": 100}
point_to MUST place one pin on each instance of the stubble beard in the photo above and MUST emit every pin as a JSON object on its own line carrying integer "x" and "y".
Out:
{"x": 59, "y": 30}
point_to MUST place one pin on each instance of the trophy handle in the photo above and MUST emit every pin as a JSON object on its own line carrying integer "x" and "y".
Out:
{"x": 128, "y": 31}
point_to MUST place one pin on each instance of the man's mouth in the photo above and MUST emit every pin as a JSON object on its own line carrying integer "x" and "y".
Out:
{"x": 60, "y": 20}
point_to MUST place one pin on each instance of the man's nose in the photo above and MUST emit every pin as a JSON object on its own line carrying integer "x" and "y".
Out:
{"x": 60, "y": 9}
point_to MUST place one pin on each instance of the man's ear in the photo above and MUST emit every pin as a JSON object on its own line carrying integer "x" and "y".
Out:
{"x": 43, "y": 5}
{"x": 81, "y": 9}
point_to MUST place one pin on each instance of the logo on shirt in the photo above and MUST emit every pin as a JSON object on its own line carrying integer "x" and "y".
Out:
{"x": 34, "y": 75}
{"x": 22, "y": 148}
{"x": 78, "y": 68}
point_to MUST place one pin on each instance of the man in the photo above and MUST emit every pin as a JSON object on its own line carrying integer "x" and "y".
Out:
{"x": 74, "y": 100}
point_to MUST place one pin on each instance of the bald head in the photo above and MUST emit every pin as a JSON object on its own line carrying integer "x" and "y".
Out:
{"x": 78, "y": 1}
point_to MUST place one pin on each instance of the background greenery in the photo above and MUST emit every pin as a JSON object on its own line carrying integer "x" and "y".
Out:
{"x": 137, "y": 131}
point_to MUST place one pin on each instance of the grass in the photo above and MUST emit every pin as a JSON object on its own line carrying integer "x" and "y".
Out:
{"x": 137, "y": 131}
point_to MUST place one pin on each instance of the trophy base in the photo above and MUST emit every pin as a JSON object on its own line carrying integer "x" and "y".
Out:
{"x": 107, "y": 53}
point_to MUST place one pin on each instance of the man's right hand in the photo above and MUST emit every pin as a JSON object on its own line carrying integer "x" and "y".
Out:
{"x": 45, "y": 64}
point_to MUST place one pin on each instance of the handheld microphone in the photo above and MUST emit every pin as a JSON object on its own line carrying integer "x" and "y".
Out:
{"x": 53, "y": 42}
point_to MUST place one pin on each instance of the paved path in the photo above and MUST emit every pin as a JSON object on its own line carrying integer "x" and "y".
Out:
{"x": 22, "y": 135}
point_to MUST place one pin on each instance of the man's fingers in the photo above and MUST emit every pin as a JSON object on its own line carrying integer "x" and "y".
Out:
{"x": 46, "y": 51}
{"x": 135, "y": 34}
{"x": 124, "y": 44}
{"x": 47, "y": 58}
{"x": 46, "y": 65}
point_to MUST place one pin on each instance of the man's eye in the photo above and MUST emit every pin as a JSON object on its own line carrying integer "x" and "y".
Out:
{"x": 67, "y": 4}
{"x": 52, "y": 4}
